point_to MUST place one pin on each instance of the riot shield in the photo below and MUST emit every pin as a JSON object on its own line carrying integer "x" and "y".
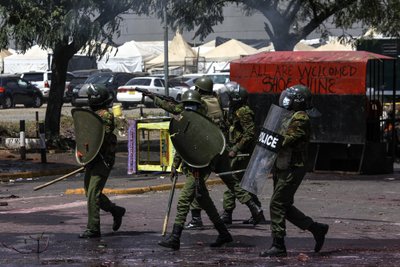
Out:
{"x": 196, "y": 138}
{"x": 89, "y": 134}
{"x": 268, "y": 145}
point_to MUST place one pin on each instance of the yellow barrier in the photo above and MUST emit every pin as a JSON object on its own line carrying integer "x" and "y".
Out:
{"x": 117, "y": 110}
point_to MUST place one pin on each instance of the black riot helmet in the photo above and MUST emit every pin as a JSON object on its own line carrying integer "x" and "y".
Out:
{"x": 204, "y": 84}
{"x": 99, "y": 96}
{"x": 297, "y": 97}
{"x": 191, "y": 99}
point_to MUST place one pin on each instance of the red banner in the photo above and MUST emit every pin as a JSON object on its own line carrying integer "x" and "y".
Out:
{"x": 321, "y": 77}
{"x": 324, "y": 72}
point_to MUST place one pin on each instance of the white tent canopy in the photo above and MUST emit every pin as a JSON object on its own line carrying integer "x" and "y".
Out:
{"x": 150, "y": 50}
{"x": 334, "y": 45}
{"x": 178, "y": 51}
{"x": 34, "y": 59}
{"x": 125, "y": 58}
{"x": 230, "y": 50}
{"x": 204, "y": 48}
{"x": 130, "y": 56}
{"x": 4, "y": 53}
{"x": 302, "y": 46}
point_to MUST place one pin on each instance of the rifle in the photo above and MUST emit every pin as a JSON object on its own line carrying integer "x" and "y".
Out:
{"x": 147, "y": 93}
{"x": 171, "y": 196}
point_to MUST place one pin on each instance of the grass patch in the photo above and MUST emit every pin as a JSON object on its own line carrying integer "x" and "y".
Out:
{"x": 12, "y": 129}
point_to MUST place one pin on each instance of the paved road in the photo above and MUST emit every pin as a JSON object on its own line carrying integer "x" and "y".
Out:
{"x": 362, "y": 211}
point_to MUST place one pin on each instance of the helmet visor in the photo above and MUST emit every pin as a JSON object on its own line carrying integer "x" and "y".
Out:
{"x": 286, "y": 99}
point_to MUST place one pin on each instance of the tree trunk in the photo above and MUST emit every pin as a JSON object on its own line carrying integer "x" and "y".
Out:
{"x": 59, "y": 66}
{"x": 285, "y": 42}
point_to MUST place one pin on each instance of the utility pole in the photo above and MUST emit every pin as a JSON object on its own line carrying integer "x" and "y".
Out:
{"x": 166, "y": 69}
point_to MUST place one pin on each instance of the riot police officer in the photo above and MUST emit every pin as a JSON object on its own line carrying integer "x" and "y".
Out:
{"x": 289, "y": 170}
{"x": 240, "y": 145}
{"x": 194, "y": 188}
{"x": 98, "y": 170}
{"x": 204, "y": 85}
{"x": 212, "y": 109}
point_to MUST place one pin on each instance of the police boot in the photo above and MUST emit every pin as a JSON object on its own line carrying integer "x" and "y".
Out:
{"x": 251, "y": 221}
{"x": 319, "y": 231}
{"x": 277, "y": 248}
{"x": 256, "y": 211}
{"x": 223, "y": 237}
{"x": 117, "y": 213}
{"x": 226, "y": 216}
{"x": 174, "y": 240}
{"x": 196, "y": 222}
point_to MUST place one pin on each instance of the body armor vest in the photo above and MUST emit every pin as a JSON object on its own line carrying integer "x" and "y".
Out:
{"x": 214, "y": 111}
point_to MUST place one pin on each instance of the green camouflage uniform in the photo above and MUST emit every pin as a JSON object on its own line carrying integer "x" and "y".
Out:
{"x": 97, "y": 172}
{"x": 288, "y": 174}
{"x": 195, "y": 189}
{"x": 241, "y": 140}
{"x": 212, "y": 109}
{"x": 168, "y": 106}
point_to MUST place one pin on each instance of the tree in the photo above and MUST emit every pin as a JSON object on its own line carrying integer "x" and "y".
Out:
{"x": 65, "y": 27}
{"x": 288, "y": 22}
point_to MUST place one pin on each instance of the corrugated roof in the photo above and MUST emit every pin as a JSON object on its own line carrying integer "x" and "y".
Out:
{"x": 311, "y": 56}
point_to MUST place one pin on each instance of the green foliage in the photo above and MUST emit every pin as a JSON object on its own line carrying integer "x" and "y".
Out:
{"x": 288, "y": 22}
{"x": 65, "y": 27}
{"x": 49, "y": 23}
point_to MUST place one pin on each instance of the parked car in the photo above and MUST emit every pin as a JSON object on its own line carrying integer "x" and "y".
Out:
{"x": 219, "y": 79}
{"x": 187, "y": 80}
{"x": 112, "y": 80}
{"x": 80, "y": 76}
{"x": 128, "y": 96}
{"x": 42, "y": 80}
{"x": 15, "y": 90}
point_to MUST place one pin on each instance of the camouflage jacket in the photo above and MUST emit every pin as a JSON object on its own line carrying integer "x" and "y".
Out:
{"x": 108, "y": 148}
{"x": 242, "y": 130}
{"x": 295, "y": 143}
{"x": 168, "y": 105}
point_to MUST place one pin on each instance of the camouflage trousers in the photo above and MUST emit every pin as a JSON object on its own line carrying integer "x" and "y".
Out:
{"x": 96, "y": 176}
{"x": 195, "y": 188}
{"x": 286, "y": 183}
{"x": 235, "y": 191}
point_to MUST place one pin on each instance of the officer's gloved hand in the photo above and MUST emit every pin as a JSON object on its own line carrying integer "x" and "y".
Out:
{"x": 232, "y": 154}
{"x": 174, "y": 173}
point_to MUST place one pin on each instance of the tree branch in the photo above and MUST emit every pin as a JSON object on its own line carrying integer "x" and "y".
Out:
{"x": 325, "y": 14}
{"x": 289, "y": 7}
{"x": 293, "y": 12}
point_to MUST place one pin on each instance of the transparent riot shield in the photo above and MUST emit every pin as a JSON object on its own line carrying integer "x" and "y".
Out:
{"x": 268, "y": 145}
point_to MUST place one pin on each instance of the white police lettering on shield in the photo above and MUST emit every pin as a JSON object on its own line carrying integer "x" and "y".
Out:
{"x": 268, "y": 140}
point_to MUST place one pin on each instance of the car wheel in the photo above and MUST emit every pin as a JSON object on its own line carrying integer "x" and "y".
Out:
{"x": 178, "y": 97}
{"x": 7, "y": 102}
{"x": 37, "y": 101}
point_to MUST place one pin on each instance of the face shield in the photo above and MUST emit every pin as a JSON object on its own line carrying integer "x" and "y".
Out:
{"x": 286, "y": 99}
{"x": 191, "y": 106}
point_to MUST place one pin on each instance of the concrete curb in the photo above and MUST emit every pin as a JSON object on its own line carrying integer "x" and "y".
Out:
{"x": 139, "y": 190}
{"x": 31, "y": 174}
